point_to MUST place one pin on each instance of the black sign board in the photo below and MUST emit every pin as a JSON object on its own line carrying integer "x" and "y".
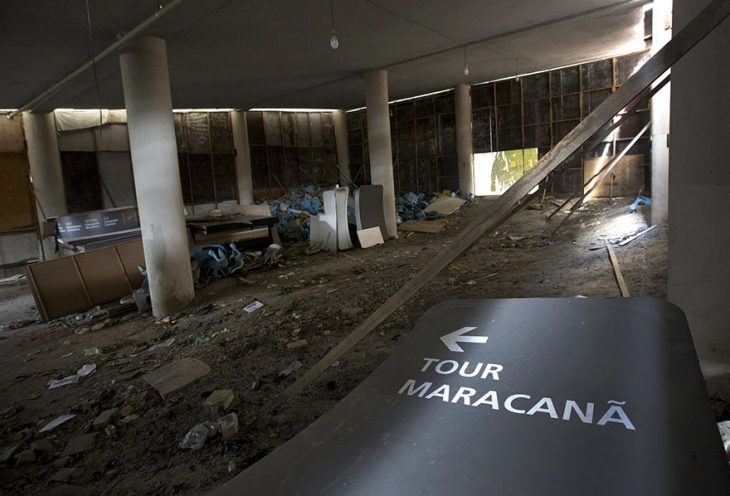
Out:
{"x": 98, "y": 223}
{"x": 516, "y": 397}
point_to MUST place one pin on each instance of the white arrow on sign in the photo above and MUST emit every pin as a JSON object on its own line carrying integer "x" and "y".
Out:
{"x": 451, "y": 339}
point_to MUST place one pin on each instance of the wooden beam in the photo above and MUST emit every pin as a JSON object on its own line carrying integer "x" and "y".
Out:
{"x": 622, "y": 287}
{"x": 502, "y": 209}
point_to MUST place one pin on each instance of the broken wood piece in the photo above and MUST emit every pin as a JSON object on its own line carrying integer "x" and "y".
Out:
{"x": 637, "y": 235}
{"x": 79, "y": 444}
{"x": 424, "y": 226}
{"x": 512, "y": 200}
{"x": 623, "y": 289}
{"x": 254, "y": 210}
{"x": 445, "y": 205}
{"x": 370, "y": 237}
{"x": 175, "y": 376}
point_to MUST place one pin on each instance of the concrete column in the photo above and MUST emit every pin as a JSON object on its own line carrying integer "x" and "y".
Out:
{"x": 343, "y": 150}
{"x": 661, "y": 34}
{"x": 464, "y": 145}
{"x": 239, "y": 126}
{"x": 146, "y": 84}
{"x": 45, "y": 170}
{"x": 699, "y": 189}
{"x": 381, "y": 155}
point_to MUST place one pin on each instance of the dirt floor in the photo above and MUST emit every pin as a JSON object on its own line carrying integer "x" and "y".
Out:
{"x": 319, "y": 298}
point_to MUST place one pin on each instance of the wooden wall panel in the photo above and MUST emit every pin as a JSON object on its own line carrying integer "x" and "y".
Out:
{"x": 79, "y": 282}
{"x": 57, "y": 288}
{"x": 131, "y": 255}
{"x": 16, "y": 202}
{"x": 103, "y": 275}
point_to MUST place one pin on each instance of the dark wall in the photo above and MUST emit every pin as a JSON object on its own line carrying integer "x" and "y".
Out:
{"x": 206, "y": 157}
{"x": 534, "y": 111}
{"x": 291, "y": 149}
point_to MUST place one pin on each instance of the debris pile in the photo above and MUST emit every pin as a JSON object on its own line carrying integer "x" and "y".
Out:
{"x": 410, "y": 206}
{"x": 294, "y": 209}
{"x": 218, "y": 261}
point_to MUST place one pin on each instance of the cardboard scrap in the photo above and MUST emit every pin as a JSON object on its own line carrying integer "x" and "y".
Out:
{"x": 424, "y": 226}
{"x": 61, "y": 419}
{"x": 177, "y": 375}
{"x": 445, "y": 205}
{"x": 370, "y": 237}
{"x": 79, "y": 444}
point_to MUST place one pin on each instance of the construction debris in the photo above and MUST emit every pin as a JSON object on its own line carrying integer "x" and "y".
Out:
{"x": 198, "y": 435}
{"x": 637, "y": 235}
{"x": 228, "y": 426}
{"x": 424, "y": 226}
{"x": 176, "y": 376}
{"x": 218, "y": 402}
{"x": 79, "y": 444}
{"x": 104, "y": 418}
{"x": 370, "y": 237}
{"x": 252, "y": 307}
{"x": 61, "y": 419}
{"x": 444, "y": 205}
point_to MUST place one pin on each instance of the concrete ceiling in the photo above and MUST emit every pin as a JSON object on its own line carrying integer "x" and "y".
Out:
{"x": 275, "y": 53}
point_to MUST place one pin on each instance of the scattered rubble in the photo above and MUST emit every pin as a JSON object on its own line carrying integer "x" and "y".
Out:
{"x": 79, "y": 443}
{"x": 218, "y": 401}
{"x": 198, "y": 435}
{"x": 228, "y": 426}
{"x": 177, "y": 375}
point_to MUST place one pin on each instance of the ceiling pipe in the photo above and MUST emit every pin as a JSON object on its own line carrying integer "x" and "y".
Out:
{"x": 53, "y": 89}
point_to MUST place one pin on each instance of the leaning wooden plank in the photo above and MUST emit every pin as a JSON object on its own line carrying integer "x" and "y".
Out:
{"x": 692, "y": 34}
{"x": 637, "y": 235}
{"x": 423, "y": 226}
{"x": 622, "y": 287}
{"x": 445, "y": 205}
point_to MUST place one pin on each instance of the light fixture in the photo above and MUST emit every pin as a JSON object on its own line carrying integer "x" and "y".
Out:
{"x": 466, "y": 66}
{"x": 334, "y": 42}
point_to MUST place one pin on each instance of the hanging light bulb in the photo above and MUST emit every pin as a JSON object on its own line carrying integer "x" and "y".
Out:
{"x": 466, "y": 66}
{"x": 334, "y": 42}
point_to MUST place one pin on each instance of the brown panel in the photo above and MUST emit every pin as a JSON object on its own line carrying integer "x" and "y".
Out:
{"x": 58, "y": 288}
{"x": 103, "y": 275}
{"x": 11, "y": 135}
{"x": 132, "y": 256}
{"x": 16, "y": 203}
{"x": 627, "y": 178}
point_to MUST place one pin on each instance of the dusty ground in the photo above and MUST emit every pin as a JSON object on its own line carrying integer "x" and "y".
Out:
{"x": 319, "y": 298}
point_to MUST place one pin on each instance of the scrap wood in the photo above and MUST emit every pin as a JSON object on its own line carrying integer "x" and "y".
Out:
{"x": 175, "y": 376}
{"x": 512, "y": 199}
{"x": 424, "y": 226}
{"x": 370, "y": 237}
{"x": 637, "y": 235}
{"x": 622, "y": 287}
{"x": 445, "y": 205}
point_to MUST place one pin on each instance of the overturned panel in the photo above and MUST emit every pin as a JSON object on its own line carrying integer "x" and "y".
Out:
{"x": 344, "y": 242}
{"x": 513, "y": 397}
{"x": 369, "y": 207}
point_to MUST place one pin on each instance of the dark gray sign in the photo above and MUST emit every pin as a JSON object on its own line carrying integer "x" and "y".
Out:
{"x": 516, "y": 397}
{"x": 99, "y": 223}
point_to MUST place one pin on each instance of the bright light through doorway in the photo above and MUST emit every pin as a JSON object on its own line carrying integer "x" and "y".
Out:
{"x": 495, "y": 172}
